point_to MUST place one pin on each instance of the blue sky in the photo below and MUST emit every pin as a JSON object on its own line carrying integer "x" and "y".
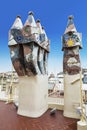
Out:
{"x": 53, "y": 15}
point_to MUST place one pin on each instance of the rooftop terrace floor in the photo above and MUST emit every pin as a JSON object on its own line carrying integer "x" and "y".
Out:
{"x": 9, "y": 120}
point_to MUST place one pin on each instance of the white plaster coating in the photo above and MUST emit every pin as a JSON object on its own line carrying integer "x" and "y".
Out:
{"x": 33, "y": 95}
{"x": 86, "y": 109}
{"x": 81, "y": 125}
{"x": 71, "y": 96}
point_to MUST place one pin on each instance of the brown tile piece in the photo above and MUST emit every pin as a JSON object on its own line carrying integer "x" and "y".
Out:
{"x": 9, "y": 120}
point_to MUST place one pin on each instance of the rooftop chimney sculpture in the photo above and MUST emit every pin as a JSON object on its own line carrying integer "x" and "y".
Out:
{"x": 71, "y": 43}
{"x": 29, "y": 48}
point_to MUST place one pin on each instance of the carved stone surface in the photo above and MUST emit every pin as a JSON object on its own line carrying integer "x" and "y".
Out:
{"x": 16, "y": 52}
{"x": 29, "y": 47}
{"x": 71, "y": 43}
{"x": 71, "y": 61}
{"x": 72, "y": 70}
